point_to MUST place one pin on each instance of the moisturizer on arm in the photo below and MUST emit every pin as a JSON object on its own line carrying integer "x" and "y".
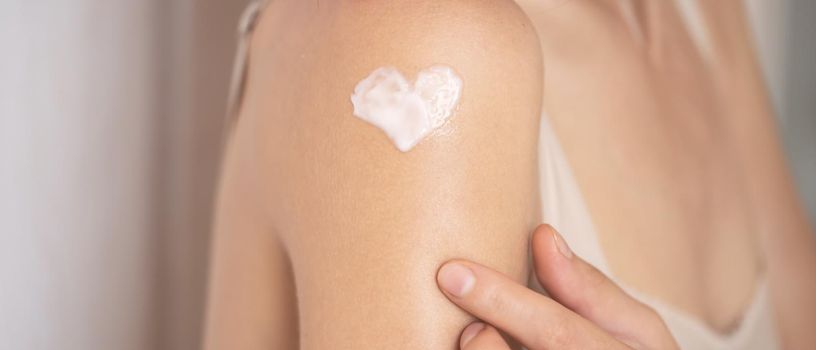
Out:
{"x": 407, "y": 112}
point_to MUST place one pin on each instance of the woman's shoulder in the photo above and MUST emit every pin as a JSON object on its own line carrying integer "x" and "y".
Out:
{"x": 307, "y": 58}
{"x": 407, "y": 33}
{"x": 298, "y": 107}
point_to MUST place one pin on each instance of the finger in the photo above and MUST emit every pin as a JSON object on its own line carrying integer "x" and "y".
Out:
{"x": 580, "y": 287}
{"x": 531, "y": 318}
{"x": 479, "y": 336}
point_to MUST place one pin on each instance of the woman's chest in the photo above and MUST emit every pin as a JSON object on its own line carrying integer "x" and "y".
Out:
{"x": 647, "y": 131}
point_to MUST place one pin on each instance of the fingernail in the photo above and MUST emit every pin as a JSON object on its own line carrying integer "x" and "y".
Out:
{"x": 469, "y": 333}
{"x": 456, "y": 279}
{"x": 561, "y": 245}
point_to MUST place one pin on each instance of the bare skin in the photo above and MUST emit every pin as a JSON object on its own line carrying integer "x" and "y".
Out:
{"x": 644, "y": 122}
{"x": 364, "y": 225}
{"x": 687, "y": 143}
{"x": 584, "y": 309}
{"x": 676, "y": 154}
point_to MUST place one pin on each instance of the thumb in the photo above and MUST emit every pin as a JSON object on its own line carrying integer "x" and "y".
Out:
{"x": 580, "y": 287}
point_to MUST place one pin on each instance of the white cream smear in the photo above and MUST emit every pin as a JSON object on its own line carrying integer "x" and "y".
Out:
{"x": 407, "y": 113}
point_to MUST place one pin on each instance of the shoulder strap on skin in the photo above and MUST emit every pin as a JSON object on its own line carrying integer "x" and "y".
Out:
{"x": 245, "y": 27}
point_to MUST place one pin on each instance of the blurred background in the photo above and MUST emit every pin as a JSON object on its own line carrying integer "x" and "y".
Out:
{"x": 110, "y": 123}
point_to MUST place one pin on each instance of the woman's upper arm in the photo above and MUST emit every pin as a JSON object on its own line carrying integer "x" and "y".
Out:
{"x": 366, "y": 226}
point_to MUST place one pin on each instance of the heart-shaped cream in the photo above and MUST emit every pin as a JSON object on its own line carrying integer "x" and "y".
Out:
{"x": 407, "y": 113}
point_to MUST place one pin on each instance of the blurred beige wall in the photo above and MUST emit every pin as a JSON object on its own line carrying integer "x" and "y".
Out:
{"x": 78, "y": 174}
{"x": 785, "y": 32}
{"x": 110, "y": 116}
{"x": 796, "y": 99}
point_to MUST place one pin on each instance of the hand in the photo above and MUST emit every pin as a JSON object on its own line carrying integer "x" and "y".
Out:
{"x": 585, "y": 310}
